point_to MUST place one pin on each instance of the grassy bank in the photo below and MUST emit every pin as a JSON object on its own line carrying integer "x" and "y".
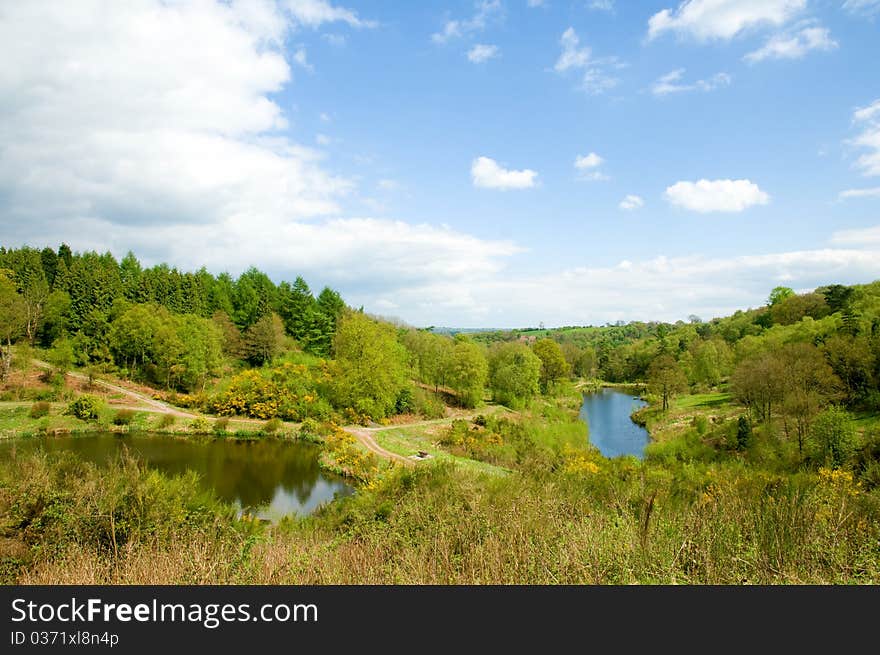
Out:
{"x": 622, "y": 523}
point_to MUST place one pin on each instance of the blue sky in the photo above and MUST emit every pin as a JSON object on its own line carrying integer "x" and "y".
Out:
{"x": 492, "y": 163}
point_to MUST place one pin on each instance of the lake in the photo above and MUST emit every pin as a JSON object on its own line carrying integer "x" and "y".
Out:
{"x": 607, "y": 413}
{"x": 268, "y": 478}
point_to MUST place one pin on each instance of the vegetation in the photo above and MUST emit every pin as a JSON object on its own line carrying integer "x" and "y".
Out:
{"x": 763, "y": 466}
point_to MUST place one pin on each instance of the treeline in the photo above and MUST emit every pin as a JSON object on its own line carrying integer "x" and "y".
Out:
{"x": 313, "y": 357}
{"x": 166, "y": 326}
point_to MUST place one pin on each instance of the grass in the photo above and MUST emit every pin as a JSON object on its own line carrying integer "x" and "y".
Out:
{"x": 865, "y": 421}
{"x": 407, "y": 441}
{"x": 702, "y": 400}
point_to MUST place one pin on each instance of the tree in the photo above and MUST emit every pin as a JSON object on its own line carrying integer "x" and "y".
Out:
{"x": 854, "y": 362}
{"x": 666, "y": 379}
{"x": 757, "y": 384}
{"x": 795, "y": 307}
{"x": 554, "y": 368}
{"x": 13, "y": 318}
{"x": 743, "y": 433}
{"x": 264, "y": 340}
{"x": 778, "y": 294}
{"x": 808, "y": 384}
{"x": 370, "y": 370}
{"x": 467, "y": 372}
{"x": 514, "y": 373}
{"x": 833, "y": 436}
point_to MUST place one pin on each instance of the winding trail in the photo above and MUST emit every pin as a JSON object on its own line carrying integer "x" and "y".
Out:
{"x": 364, "y": 435}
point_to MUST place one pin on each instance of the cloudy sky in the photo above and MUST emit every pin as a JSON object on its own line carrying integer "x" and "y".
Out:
{"x": 494, "y": 163}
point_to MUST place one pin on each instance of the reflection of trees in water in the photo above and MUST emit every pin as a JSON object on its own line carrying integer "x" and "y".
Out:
{"x": 250, "y": 472}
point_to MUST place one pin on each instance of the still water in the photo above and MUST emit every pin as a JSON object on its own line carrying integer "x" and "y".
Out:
{"x": 612, "y": 431}
{"x": 268, "y": 478}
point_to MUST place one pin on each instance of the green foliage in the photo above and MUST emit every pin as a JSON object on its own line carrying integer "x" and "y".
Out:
{"x": 221, "y": 426}
{"x": 289, "y": 391}
{"x": 743, "y": 433}
{"x": 554, "y": 367}
{"x": 370, "y": 367}
{"x": 200, "y": 425}
{"x": 272, "y": 426}
{"x": 466, "y": 372}
{"x": 40, "y": 409}
{"x": 514, "y": 373}
{"x": 778, "y": 294}
{"x": 167, "y": 420}
{"x": 124, "y": 417}
{"x": 833, "y": 437}
{"x": 666, "y": 379}
{"x": 85, "y": 408}
{"x": 264, "y": 340}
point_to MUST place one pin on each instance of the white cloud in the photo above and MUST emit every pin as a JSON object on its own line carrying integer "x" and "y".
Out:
{"x": 865, "y": 7}
{"x": 536, "y": 3}
{"x": 481, "y": 53}
{"x": 860, "y": 193}
{"x": 672, "y": 83}
{"x": 869, "y": 113}
{"x": 301, "y": 58}
{"x": 314, "y": 13}
{"x": 657, "y": 288}
{"x": 631, "y": 202}
{"x": 487, "y": 174}
{"x": 585, "y": 162}
{"x": 716, "y": 195}
{"x": 722, "y": 19}
{"x": 323, "y": 140}
{"x": 453, "y": 29}
{"x": 596, "y": 77}
{"x": 869, "y": 139}
{"x": 794, "y": 45}
{"x": 857, "y": 237}
{"x": 602, "y": 5}
{"x": 325, "y": 117}
{"x": 587, "y": 166}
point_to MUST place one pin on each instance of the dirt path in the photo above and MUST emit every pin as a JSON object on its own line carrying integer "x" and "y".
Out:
{"x": 142, "y": 399}
{"x": 362, "y": 434}
{"x": 365, "y": 438}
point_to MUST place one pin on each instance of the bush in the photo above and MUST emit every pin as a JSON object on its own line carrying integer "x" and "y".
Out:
{"x": 40, "y": 409}
{"x": 124, "y": 417}
{"x": 428, "y": 404}
{"x": 200, "y": 425}
{"x": 85, "y": 408}
{"x": 167, "y": 420}
{"x": 272, "y": 426}
{"x": 833, "y": 437}
{"x": 743, "y": 433}
{"x": 221, "y": 425}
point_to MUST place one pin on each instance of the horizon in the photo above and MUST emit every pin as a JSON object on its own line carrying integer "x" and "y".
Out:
{"x": 488, "y": 162}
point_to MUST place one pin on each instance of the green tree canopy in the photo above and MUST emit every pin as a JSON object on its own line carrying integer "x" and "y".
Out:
{"x": 554, "y": 368}
{"x": 370, "y": 369}
{"x": 514, "y": 373}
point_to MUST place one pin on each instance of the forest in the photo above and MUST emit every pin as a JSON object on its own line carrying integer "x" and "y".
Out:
{"x": 763, "y": 465}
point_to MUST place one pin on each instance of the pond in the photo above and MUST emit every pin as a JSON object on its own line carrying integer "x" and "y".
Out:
{"x": 267, "y": 478}
{"x": 612, "y": 431}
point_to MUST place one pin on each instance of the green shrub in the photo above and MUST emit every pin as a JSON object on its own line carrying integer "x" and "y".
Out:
{"x": 167, "y": 420}
{"x": 833, "y": 437}
{"x": 272, "y": 426}
{"x": 221, "y": 425}
{"x": 85, "y": 408}
{"x": 124, "y": 417}
{"x": 200, "y": 425}
{"x": 40, "y": 409}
